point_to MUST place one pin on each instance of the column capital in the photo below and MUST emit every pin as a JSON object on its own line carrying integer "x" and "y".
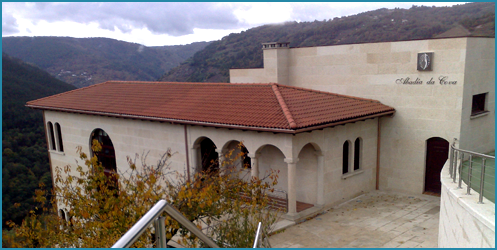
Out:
{"x": 254, "y": 156}
{"x": 291, "y": 160}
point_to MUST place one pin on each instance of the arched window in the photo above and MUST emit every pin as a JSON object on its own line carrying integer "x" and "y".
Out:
{"x": 345, "y": 157}
{"x": 62, "y": 214}
{"x": 107, "y": 156}
{"x": 247, "y": 162}
{"x": 209, "y": 156}
{"x": 51, "y": 137}
{"x": 357, "y": 154}
{"x": 59, "y": 137}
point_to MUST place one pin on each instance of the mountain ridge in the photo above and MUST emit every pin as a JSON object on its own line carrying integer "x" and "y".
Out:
{"x": 243, "y": 50}
{"x": 87, "y": 61}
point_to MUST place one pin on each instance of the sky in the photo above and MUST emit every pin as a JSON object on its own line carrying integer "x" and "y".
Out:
{"x": 169, "y": 23}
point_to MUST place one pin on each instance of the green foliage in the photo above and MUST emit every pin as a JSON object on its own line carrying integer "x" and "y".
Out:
{"x": 24, "y": 150}
{"x": 86, "y": 61}
{"x": 100, "y": 212}
{"x": 243, "y": 50}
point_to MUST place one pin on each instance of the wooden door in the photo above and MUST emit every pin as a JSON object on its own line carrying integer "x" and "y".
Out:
{"x": 437, "y": 151}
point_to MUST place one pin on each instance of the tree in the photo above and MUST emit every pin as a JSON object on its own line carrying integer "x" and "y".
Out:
{"x": 102, "y": 206}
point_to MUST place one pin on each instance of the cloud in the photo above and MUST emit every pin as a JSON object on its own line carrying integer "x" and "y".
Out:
{"x": 9, "y": 24}
{"x": 175, "y": 19}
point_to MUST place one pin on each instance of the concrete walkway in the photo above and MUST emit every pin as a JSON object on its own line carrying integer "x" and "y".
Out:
{"x": 376, "y": 219}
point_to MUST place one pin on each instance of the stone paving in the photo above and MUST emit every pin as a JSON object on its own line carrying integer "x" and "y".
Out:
{"x": 376, "y": 219}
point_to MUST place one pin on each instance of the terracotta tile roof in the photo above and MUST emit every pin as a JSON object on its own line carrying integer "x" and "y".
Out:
{"x": 262, "y": 107}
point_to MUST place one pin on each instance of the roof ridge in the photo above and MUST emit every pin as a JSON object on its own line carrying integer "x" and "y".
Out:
{"x": 187, "y": 83}
{"x": 330, "y": 93}
{"x": 284, "y": 107}
{"x": 67, "y": 92}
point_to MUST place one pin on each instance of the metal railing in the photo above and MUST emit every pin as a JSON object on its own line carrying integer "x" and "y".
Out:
{"x": 261, "y": 238}
{"x": 153, "y": 216}
{"x": 279, "y": 200}
{"x": 457, "y": 160}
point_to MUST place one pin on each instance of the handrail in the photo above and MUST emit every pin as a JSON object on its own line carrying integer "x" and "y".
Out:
{"x": 153, "y": 214}
{"x": 286, "y": 196}
{"x": 257, "y": 235}
{"x": 456, "y": 153}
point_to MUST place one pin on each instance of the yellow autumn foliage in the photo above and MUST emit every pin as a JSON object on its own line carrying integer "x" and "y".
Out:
{"x": 101, "y": 208}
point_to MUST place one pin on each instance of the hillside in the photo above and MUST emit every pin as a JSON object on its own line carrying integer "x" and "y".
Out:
{"x": 243, "y": 50}
{"x": 24, "y": 155}
{"x": 86, "y": 61}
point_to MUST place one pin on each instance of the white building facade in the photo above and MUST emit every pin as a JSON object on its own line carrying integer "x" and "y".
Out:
{"x": 454, "y": 98}
{"x": 452, "y": 95}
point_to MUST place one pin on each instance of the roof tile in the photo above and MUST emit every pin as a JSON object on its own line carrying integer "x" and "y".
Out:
{"x": 256, "y": 106}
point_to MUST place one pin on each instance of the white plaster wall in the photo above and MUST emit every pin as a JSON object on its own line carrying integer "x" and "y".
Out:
{"x": 337, "y": 188}
{"x": 248, "y": 76}
{"x": 422, "y": 111}
{"x": 272, "y": 159}
{"x": 307, "y": 175}
{"x": 464, "y": 222}
{"x": 478, "y": 134}
{"x": 129, "y": 137}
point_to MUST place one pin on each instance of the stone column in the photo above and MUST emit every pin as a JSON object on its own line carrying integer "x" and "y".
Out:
{"x": 292, "y": 182}
{"x": 254, "y": 169}
{"x": 196, "y": 161}
{"x": 220, "y": 160}
{"x": 320, "y": 180}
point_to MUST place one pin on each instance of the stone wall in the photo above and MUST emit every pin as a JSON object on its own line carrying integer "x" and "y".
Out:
{"x": 464, "y": 222}
{"x": 428, "y": 103}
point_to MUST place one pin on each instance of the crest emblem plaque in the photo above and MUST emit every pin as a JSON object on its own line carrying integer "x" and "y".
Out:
{"x": 425, "y": 60}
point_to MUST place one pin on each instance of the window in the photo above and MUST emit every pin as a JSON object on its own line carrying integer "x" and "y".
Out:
{"x": 59, "y": 137}
{"x": 247, "y": 162}
{"x": 478, "y": 106}
{"x": 51, "y": 137}
{"x": 357, "y": 154}
{"x": 345, "y": 158}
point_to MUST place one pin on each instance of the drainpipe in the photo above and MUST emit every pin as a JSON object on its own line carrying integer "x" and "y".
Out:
{"x": 187, "y": 157}
{"x": 378, "y": 156}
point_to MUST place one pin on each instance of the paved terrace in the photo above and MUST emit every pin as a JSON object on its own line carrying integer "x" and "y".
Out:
{"x": 376, "y": 219}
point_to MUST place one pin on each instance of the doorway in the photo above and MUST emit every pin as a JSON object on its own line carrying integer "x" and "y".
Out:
{"x": 437, "y": 151}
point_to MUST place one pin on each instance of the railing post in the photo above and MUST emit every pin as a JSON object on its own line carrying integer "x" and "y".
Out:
{"x": 160, "y": 233}
{"x": 482, "y": 180}
{"x": 455, "y": 166}
{"x": 470, "y": 170}
{"x": 451, "y": 159}
{"x": 460, "y": 171}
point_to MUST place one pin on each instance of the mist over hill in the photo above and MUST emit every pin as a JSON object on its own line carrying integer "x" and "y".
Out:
{"x": 243, "y": 50}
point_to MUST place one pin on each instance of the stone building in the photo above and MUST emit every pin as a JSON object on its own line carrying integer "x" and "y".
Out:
{"x": 336, "y": 121}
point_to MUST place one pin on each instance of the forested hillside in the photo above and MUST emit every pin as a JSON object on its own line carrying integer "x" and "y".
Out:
{"x": 24, "y": 155}
{"x": 86, "y": 61}
{"x": 243, "y": 50}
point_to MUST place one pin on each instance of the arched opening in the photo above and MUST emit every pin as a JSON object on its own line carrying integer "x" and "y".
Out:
{"x": 357, "y": 153}
{"x": 345, "y": 157}
{"x": 437, "y": 151}
{"x": 238, "y": 154}
{"x": 59, "y": 137}
{"x": 209, "y": 156}
{"x": 307, "y": 177}
{"x": 51, "y": 136}
{"x": 107, "y": 156}
{"x": 271, "y": 158}
{"x": 62, "y": 214}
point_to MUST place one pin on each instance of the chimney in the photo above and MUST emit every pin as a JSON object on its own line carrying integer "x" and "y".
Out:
{"x": 276, "y": 61}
